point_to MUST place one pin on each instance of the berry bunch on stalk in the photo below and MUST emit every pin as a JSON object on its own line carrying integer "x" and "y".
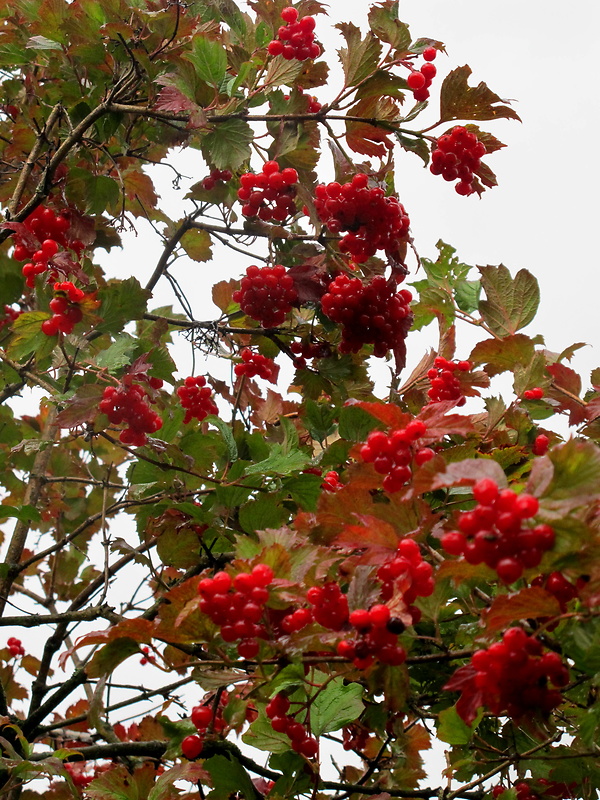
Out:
{"x": 296, "y": 38}
{"x": 270, "y": 194}
{"x": 129, "y": 403}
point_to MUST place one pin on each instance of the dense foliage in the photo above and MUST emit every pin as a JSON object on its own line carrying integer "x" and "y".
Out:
{"x": 231, "y": 580}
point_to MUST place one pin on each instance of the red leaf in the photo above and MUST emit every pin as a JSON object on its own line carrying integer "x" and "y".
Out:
{"x": 389, "y": 414}
{"x": 467, "y": 472}
{"x": 171, "y": 99}
{"x": 311, "y": 280}
{"x": 531, "y": 603}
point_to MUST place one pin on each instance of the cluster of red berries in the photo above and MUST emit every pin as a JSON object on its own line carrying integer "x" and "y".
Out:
{"x": 540, "y": 445}
{"x": 511, "y": 677}
{"x": 254, "y": 364}
{"x": 204, "y": 716}
{"x": 237, "y": 605}
{"x": 9, "y": 316}
{"x": 444, "y": 383}
{"x": 406, "y": 572}
{"x": 457, "y": 156}
{"x": 533, "y": 394}
{"x": 147, "y": 658}
{"x": 281, "y": 721}
{"x": 313, "y": 106}
{"x": 372, "y": 313}
{"x": 493, "y": 533}
{"x": 295, "y": 39}
{"x": 391, "y": 454}
{"x": 223, "y": 175}
{"x": 331, "y": 479}
{"x": 376, "y": 638}
{"x": 266, "y": 294}
{"x": 548, "y": 789}
{"x": 330, "y": 605}
{"x": 420, "y": 80}
{"x": 45, "y": 231}
{"x": 129, "y": 403}
{"x": 15, "y": 647}
{"x": 373, "y": 221}
{"x": 269, "y": 195}
{"x": 78, "y": 773}
{"x": 556, "y": 584}
{"x": 197, "y": 399}
{"x": 66, "y": 309}
{"x": 305, "y": 350}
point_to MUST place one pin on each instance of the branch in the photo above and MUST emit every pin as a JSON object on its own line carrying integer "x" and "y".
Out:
{"x": 33, "y": 620}
{"x": 170, "y": 245}
{"x": 30, "y": 498}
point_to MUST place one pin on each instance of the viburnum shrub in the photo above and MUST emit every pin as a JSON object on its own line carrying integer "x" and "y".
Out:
{"x": 243, "y": 550}
{"x": 373, "y": 221}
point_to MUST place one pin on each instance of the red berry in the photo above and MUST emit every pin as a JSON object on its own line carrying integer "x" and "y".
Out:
{"x": 191, "y": 747}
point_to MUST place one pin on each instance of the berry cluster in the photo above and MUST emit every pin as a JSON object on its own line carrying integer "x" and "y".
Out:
{"x": 266, "y": 294}
{"x": 511, "y": 677}
{"x": 66, "y": 309}
{"x": 15, "y": 647}
{"x": 444, "y": 383}
{"x": 147, "y": 658}
{"x": 540, "y": 445}
{"x": 196, "y": 397}
{"x": 330, "y": 605}
{"x": 547, "y": 789}
{"x": 331, "y": 481}
{"x": 254, "y": 364}
{"x": 372, "y": 313}
{"x": 78, "y": 773}
{"x": 45, "y": 231}
{"x": 295, "y": 39}
{"x": 493, "y": 532}
{"x": 313, "y": 106}
{"x": 355, "y": 737}
{"x": 305, "y": 350}
{"x": 457, "y": 156}
{"x": 9, "y": 316}
{"x": 556, "y": 584}
{"x": 376, "y": 638}
{"x": 237, "y": 605}
{"x": 269, "y": 195}
{"x": 391, "y": 454}
{"x": 128, "y": 403}
{"x": 204, "y": 717}
{"x": 281, "y": 721}
{"x": 533, "y": 394}
{"x": 223, "y": 175}
{"x": 373, "y": 221}
{"x": 420, "y": 80}
{"x": 406, "y": 572}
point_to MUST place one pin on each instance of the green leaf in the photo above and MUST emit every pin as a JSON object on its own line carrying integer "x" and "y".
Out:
{"x": 229, "y": 778}
{"x": 111, "y": 655}
{"x": 22, "y": 513}
{"x": 355, "y": 423}
{"x": 576, "y": 472}
{"x": 453, "y": 730}
{"x": 414, "y": 144}
{"x": 227, "y": 146}
{"x": 262, "y": 512}
{"x": 279, "y": 462}
{"x": 458, "y": 100}
{"x": 467, "y": 294}
{"x": 511, "y": 304}
{"x": 178, "y": 549}
{"x": 281, "y": 72}
{"x": 197, "y": 244}
{"x": 361, "y": 56}
{"x": 262, "y": 736}
{"x": 226, "y": 433}
{"x": 122, "y": 301}
{"x": 91, "y": 193}
{"x": 42, "y": 43}
{"x": 209, "y": 58}
{"x": 119, "y": 784}
{"x": 501, "y": 355}
{"x": 319, "y": 419}
{"x": 118, "y": 354}
{"x": 28, "y": 337}
{"x": 385, "y": 24}
{"x": 337, "y": 705}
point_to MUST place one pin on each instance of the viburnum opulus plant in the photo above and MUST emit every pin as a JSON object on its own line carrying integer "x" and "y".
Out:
{"x": 301, "y": 564}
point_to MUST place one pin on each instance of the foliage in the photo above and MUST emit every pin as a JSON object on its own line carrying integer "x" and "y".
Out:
{"x": 305, "y": 559}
